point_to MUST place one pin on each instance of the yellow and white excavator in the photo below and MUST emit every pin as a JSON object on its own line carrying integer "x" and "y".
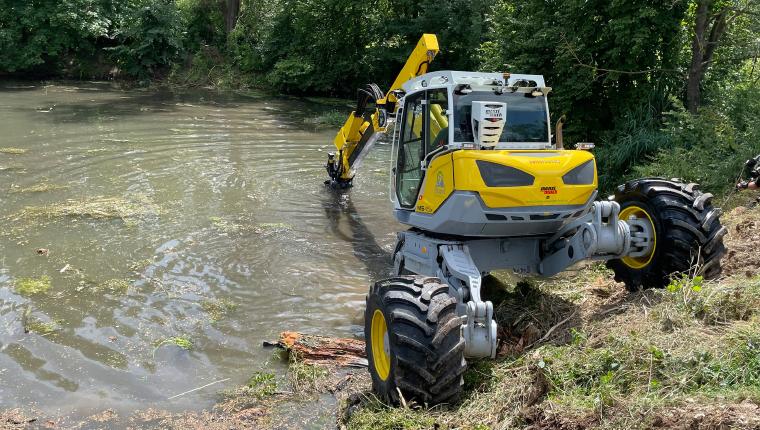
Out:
{"x": 484, "y": 186}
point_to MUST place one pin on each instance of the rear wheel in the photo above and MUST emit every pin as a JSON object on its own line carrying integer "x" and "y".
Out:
{"x": 414, "y": 341}
{"x": 688, "y": 233}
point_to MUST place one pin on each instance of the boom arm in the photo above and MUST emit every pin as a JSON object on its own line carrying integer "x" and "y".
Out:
{"x": 363, "y": 127}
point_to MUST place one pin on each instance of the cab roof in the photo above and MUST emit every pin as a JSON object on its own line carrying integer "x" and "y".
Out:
{"x": 446, "y": 78}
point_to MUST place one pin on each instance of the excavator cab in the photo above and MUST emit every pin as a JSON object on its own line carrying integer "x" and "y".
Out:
{"x": 487, "y": 117}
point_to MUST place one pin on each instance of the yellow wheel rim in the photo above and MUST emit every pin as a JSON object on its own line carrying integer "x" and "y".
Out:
{"x": 381, "y": 355}
{"x": 644, "y": 260}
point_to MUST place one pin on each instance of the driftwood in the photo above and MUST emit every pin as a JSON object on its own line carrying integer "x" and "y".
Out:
{"x": 313, "y": 349}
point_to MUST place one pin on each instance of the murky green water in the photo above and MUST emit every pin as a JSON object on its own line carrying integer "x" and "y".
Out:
{"x": 193, "y": 215}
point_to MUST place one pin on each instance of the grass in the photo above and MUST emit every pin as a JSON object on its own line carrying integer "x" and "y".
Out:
{"x": 32, "y": 286}
{"x": 260, "y": 387}
{"x": 217, "y": 309}
{"x": 13, "y": 151}
{"x": 625, "y": 356}
{"x": 307, "y": 377}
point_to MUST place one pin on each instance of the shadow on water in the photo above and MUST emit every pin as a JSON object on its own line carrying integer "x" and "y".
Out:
{"x": 340, "y": 210}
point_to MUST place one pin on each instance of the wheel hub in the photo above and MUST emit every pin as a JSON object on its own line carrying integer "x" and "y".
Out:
{"x": 642, "y": 230}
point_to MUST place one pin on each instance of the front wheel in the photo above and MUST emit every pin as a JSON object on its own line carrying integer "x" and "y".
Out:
{"x": 688, "y": 235}
{"x": 414, "y": 341}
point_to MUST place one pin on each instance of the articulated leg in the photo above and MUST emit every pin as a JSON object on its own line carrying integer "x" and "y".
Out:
{"x": 451, "y": 263}
{"x": 479, "y": 329}
{"x": 600, "y": 235}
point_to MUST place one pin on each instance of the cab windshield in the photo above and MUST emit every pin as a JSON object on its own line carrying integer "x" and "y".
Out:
{"x": 526, "y": 116}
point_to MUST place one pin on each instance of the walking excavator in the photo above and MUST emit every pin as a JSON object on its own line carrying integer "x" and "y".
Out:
{"x": 483, "y": 184}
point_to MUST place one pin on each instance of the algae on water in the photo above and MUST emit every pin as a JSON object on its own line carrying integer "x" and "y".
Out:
{"x": 115, "y": 286}
{"x": 217, "y": 308}
{"x": 95, "y": 208}
{"x": 41, "y": 188}
{"x": 41, "y": 327}
{"x": 180, "y": 341}
{"x": 32, "y": 286}
{"x": 14, "y": 151}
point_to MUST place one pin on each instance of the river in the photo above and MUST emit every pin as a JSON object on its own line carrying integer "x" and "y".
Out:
{"x": 151, "y": 240}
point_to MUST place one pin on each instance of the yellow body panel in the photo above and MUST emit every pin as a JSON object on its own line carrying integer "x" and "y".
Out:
{"x": 438, "y": 184}
{"x": 547, "y": 167}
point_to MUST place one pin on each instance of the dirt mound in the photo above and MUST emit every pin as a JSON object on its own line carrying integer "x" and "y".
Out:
{"x": 742, "y": 242}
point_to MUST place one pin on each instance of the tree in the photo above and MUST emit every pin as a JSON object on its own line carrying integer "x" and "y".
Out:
{"x": 712, "y": 20}
{"x": 231, "y": 13}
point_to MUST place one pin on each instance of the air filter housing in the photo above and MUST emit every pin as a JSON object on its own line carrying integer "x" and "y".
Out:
{"x": 488, "y": 119}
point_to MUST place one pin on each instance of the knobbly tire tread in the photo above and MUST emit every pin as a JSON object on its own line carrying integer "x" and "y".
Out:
{"x": 688, "y": 228}
{"x": 427, "y": 349}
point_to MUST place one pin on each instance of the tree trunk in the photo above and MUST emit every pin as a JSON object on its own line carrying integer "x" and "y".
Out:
{"x": 693, "y": 96}
{"x": 702, "y": 50}
{"x": 231, "y": 12}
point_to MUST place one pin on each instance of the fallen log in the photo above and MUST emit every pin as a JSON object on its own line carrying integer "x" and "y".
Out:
{"x": 322, "y": 350}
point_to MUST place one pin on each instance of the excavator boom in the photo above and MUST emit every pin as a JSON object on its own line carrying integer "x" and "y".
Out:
{"x": 365, "y": 125}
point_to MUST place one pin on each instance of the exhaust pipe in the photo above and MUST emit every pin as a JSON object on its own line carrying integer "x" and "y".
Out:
{"x": 558, "y": 132}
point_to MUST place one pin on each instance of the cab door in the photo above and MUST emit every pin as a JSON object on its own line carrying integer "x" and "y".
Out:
{"x": 423, "y": 130}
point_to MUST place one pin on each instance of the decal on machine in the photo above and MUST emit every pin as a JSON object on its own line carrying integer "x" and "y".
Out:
{"x": 440, "y": 186}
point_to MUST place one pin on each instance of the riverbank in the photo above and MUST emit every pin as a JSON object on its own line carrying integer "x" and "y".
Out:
{"x": 576, "y": 352}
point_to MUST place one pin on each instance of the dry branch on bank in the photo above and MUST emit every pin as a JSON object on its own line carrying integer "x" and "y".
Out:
{"x": 321, "y": 350}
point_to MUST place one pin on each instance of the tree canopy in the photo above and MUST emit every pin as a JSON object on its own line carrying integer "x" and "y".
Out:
{"x": 646, "y": 80}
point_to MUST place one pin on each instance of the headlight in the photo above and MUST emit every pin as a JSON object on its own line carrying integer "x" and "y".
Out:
{"x": 581, "y": 175}
{"x": 499, "y": 175}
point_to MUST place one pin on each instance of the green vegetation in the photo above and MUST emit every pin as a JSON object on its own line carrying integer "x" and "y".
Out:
{"x": 217, "y": 308}
{"x": 94, "y": 207}
{"x": 32, "y": 286}
{"x": 40, "y": 327}
{"x": 307, "y": 377}
{"x": 262, "y": 383}
{"x": 114, "y": 286}
{"x": 329, "y": 119}
{"x": 625, "y": 357}
{"x": 180, "y": 341}
{"x": 662, "y": 88}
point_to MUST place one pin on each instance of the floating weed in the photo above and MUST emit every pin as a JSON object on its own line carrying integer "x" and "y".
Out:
{"x": 13, "y": 151}
{"x": 114, "y": 286}
{"x": 180, "y": 341}
{"x": 266, "y": 227}
{"x": 224, "y": 226}
{"x": 95, "y": 208}
{"x": 41, "y": 188}
{"x": 43, "y": 328}
{"x": 32, "y": 286}
{"x": 217, "y": 308}
{"x": 140, "y": 265}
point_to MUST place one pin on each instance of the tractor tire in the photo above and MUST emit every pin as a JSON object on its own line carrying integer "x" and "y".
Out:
{"x": 688, "y": 232}
{"x": 414, "y": 342}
